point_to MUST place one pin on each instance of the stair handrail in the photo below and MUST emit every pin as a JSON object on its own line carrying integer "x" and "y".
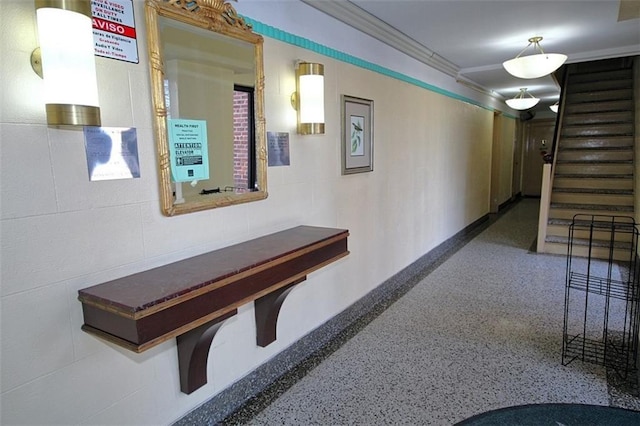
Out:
{"x": 548, "y": 170}
{"x": 559, "y": 119}
{"x": 558, "y": 130}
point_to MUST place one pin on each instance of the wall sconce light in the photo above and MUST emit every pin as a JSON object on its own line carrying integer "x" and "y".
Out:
{"x": 534, "y": 66}
{"x": 554, "y": 107}
{"x": 308, "y": 99}
{"x": 66, "y": 62}
{"x": 520, "y": 102}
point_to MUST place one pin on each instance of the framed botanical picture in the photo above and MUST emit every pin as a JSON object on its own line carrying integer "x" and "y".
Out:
{"x": 357, "y": 135}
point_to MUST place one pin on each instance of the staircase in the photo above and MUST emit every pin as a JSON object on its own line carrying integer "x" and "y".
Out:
{"x": 594, "y": 165}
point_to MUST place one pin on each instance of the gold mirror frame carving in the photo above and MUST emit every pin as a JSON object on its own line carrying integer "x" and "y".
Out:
{"x": 220, "y": 17}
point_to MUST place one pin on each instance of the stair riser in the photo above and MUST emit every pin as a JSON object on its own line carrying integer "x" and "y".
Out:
{"x": 592, "y": 169}
{"x": 598, "y": 118}
{"x": 596, "y": 142}
{"x": 598, "y": 130}
{"x": 600, "y": 199}
{"x": 619, "y": 74}
{"x": 624, "y": 105}
{"x": 586, "y": 183}
{"x": 593, "y": 86}
{"x": 568, "y": 214}
{"x": 594, "y": 156}
{"x": 607, "y": 95}
{"x": 563, "y": 231}
{"x": 583, "y": 251}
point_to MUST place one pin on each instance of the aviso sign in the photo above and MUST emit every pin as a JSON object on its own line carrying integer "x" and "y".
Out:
{"x": 114, "y": 29}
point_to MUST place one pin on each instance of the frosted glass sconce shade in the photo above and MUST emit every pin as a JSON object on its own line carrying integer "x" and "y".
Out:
{"x": 310, "y": 98}
{"x": 68, "y": 63}
{"x": 521, "y": 102}
{"x": 534, "y": 66}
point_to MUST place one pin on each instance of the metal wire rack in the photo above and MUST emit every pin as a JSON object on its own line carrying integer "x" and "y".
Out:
{"x": 602, "y": 295}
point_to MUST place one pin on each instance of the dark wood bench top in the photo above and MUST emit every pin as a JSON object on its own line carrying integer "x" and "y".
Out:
{"x": 146, "y": 308}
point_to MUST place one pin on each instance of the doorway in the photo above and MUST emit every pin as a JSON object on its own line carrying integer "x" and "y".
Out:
{"x": 538, "y": 137}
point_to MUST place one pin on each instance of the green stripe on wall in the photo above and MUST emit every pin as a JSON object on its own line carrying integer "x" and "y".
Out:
{"x": 274, "y": 33}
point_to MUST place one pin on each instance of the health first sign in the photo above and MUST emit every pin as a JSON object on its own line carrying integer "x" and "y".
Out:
{"x": 114, "y": 29}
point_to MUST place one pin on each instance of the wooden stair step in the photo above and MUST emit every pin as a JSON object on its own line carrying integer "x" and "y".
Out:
{"x": 599, "y": 198}
{"x": 590, "y": 208}
{"x": 603, "y": 169}
{"x": 598, "y": 117}
{"x": 625, "y": 141}
{"x": 561, "y": 229}
{"x": 568, "y": 212}
{"x": 595, "y": 107}
{"x": 594, "y": 191}
{"x": 605, "y": 243}
{"x": 614, "y": 73}
{"x": 586, "y": 176}
{"x": 593, "y": 183}
{"x": 603, "y": 95}
{"x": 592, "y": 155}
{"x": 616, "y": 129}
{"x": 560, "y": 248}
{"x": 560, "y": 245}
{"x": 585, "y": 220}
{"x": 620, "y": 82}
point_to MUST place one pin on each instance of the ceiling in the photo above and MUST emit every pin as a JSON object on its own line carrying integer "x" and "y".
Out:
{"x": 469, "y": 39}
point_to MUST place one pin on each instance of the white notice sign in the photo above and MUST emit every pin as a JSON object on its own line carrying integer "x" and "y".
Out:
{"x": 114, "y": 29}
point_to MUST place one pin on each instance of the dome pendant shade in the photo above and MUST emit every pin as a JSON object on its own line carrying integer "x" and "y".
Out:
{"x": 521, "y": 103}
{"x": 534, "y": 66}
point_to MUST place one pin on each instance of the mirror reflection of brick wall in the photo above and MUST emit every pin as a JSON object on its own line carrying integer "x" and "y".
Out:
{"x": 241, "y": 134}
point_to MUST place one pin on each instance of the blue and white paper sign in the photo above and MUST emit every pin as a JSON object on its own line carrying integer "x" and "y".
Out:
{"x": 188, "y": 151}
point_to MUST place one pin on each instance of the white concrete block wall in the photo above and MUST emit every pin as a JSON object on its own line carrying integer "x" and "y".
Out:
{"x": 60, "y": 232}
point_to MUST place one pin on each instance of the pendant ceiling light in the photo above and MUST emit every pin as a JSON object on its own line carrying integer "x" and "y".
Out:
{"x": 554, "y": 107}
{"x": 534, "y": 66}
{"x": 520, "y": 102}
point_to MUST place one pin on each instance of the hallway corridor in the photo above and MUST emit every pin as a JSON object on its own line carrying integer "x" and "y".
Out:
{"x": 481, "y": 331}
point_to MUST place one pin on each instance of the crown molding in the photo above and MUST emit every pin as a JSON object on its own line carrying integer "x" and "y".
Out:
{"x": 595, "y": 55}
{"x": 461, "y": 79}
{"x": 357, "y": 18}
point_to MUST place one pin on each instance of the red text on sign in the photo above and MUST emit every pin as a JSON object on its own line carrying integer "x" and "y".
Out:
{"x": 112, "y": 27}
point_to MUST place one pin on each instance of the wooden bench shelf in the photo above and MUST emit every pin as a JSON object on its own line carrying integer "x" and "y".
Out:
{"x": 190, "y": 298}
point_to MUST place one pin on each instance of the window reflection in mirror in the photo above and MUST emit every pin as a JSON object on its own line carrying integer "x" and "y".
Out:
{"x": 213, "y": 77}
{"x": 244, "y": 153}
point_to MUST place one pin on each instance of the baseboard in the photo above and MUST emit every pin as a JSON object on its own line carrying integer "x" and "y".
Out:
{"x": 510, "y": 202}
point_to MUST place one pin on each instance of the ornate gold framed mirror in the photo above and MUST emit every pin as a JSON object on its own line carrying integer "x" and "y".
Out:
{"x": 207, "y": 82}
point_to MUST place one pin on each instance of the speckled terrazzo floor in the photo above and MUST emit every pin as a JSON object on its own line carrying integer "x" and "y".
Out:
{"x": 481, "y": 331}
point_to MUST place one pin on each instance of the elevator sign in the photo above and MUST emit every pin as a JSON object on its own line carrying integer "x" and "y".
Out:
{"x": 114, "y": 29}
